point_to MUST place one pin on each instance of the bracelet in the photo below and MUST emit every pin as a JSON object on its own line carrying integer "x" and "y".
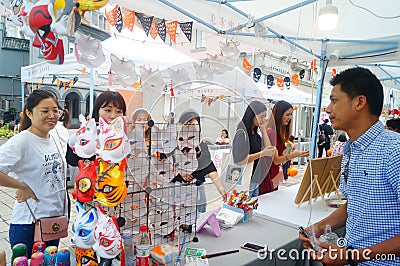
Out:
{"x": 349, "y": 255}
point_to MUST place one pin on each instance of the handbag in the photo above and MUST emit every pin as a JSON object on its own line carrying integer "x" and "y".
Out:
{"x": 51, "y": 228}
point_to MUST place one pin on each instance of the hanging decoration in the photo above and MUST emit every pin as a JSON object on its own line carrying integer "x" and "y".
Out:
{"x": 90, "y": 5}
{"x": 145, "y": 22}
{"x": 246, "y": 65}
{"x": 120, "y": 22}
{"x": 270, "y": 81}
{"x": 129, "y": 21}
{"x": 111, "y": 16}
{"x": 64, "y": 20}
{"x": 230, "y": 50}
{"x": 286, "y": 80}
{"x": 280, "y": 83}
{"x": 256, "y": 74}
{"x": 208, "y": 100}
{"x": 187, "y": 28}
{"x": 162, "y": 31}
{"x": 154, "y": 29}
{"x": 171, "y": 29}
{"x": 88, "y": 51}
{"x": 302, "y": 74}
{"x": 295, "y": 79}
{"x": 313, "y": 64}
{"x": 334, "y": 72}
{"x": 123, "y": 71}
{"x": 19, "y": 10}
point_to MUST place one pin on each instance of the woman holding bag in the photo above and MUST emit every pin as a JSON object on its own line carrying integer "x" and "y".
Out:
{"x": 38, "y": 169}
{"x": 282, "y": 113}
{"x": 249, "y": 146}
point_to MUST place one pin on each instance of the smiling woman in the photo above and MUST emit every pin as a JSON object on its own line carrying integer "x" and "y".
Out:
{"x": 33, "y": 155}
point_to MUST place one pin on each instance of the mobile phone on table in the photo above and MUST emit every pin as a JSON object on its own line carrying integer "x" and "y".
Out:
{"x": 252, "y": 247}
{"x": 304, "y": 232}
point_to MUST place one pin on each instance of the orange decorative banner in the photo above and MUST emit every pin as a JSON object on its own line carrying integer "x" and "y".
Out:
{"x": 58, "y": 83}
{"x": 154, "y": 29}
{"x": 280, "y": 83}
{"x": 83, "y": 71}
{"x": 246, "y": 64}
{"x": 171, "y": 29}
{"x": 129, "y": 21}
{"x": 295, "y": 80}
{"x": 112, "y": 16}
{"x": 314, "y": 64}
{"x": 71, "y": 83}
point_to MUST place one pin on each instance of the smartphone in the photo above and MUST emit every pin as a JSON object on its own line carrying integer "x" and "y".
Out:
{"x": 303, "y": 231}
{"x": 252, "y": 247}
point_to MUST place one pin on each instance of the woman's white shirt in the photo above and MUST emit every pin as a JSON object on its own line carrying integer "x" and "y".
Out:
{"x": 37, "y": 162}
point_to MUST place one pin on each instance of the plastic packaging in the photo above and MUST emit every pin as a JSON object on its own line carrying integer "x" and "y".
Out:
{"x": 329, "y": 236}
{"x": 127, "y": 240}
{"x": 143, "y": 247}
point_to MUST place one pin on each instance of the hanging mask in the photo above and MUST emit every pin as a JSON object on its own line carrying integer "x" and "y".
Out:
{"x": 110, "y": 189}
{"x": 280, "y": 83}
{"x": 230, "y": 50}
{"x": 113, "y": 144}
{"x": 52, "y": 48}
{"x": 85, "y": 181}
{"x": 256, "y": 74}
{"x": 83, "y": 227}
{"x": 85, "y": 140}
{"x": 286, "y": 80}
{"x": 151, "y": 79}
{"x": 19, "y": 10}
{"x": 88, "y": 51}
{"x": 85, "y": 257}
{"x": 90, "y": 5}
{"x": 302, "y": 74}
{"x": 295, "y": 80}
{"x": 60, "y": 10}
{"x": 270, "y": 81}
{"x": 124, "y": 72}
{"x": 108, "y": 239}
{"x": 40, "y": 19}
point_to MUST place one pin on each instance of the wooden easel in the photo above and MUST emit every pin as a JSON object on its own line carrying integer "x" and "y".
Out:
{"x": 326, "y": 176}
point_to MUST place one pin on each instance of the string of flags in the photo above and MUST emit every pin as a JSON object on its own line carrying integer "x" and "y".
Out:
{"x": 150, "y": 24}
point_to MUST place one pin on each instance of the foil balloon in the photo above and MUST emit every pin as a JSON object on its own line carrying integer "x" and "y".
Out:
{"x": 85, "y": 181}
{"x": 113, "y": 143}
{"x": 83, "y": 227}
{"x": 110, "y": 189}
{"x": 123, "y": 72}
{"x": 85, "y": 140}
{"x": 88, "y": 51}
{"x": 85, "y": 257}
{"x": 106, "y": 234}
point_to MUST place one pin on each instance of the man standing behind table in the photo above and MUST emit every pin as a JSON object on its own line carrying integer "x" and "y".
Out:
{"x": 326, "y": 144}
{"x": 370, "y": 177}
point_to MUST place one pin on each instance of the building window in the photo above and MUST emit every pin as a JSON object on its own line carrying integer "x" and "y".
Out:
{"x": 102, "y": 22}
{"x": 200, "y": 41}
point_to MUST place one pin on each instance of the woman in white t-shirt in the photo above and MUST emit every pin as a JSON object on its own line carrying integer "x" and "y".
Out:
{"x": 36, "y": 164}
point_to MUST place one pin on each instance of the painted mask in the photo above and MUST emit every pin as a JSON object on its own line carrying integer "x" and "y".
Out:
{"x": 86, "y": 138}
{"x": 124, "y": 72}
{"x": 110, "y": 189}
{"x": 108, "y": 239}
{"x": 270, "y": 81}
{"x": 85, "y": 181}
{"x": 60, "y": 10}
{"x": 88, "y": 51}
{"x": 256, "y": 74}
{"x": 83, "y": 227}
{"x": 40, "y": 19}
{"x": 230, "y": 50}
{"x": 280, "y": 83}
{"x": 50, "y": 255}
{"x": 63, "y": 258}
{"x": 302, "y": 74}
{"x": 295, "y": 80}
{"x": 113, "y": 144}
{"x": 19, "y": 9}
{"x": 286, "y": 80}
{"x": 52, "y": 48}
{"x": 85, "y": 257}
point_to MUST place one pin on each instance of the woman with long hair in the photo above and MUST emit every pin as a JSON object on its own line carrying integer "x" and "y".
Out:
{"x": 282, "y": 113}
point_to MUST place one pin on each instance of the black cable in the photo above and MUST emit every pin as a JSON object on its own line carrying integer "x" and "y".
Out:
{"x": 367, "y": 56}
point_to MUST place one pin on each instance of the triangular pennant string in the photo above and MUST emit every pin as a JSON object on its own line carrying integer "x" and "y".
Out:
{"x": 171, "y": 29}
{"x": 154, "y": 29}
{"x": 120, "y": 22}
{"x": 112, "y": 16}
{"x": 162, "y": 32}
{"x": 129, "y": 21}
{"x": 146, "y": 22}
{"x": 186, "y": 28}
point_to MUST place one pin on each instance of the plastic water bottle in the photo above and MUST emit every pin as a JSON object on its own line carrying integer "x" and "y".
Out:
{"x": 127, "y": 240}
{"x": 143, "y": 247}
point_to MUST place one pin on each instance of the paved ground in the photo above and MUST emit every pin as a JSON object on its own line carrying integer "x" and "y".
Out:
{"x": 7, "y": 202}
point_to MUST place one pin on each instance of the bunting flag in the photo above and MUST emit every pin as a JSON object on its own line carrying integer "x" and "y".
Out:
{"x": 58, "y": 83}
{"x": 112, "y": 16}
{"x": 314, "y": 64}
{"x": 162, "y": 30}
{"x": 65, "y": 86}
{"x": 28, "y": 86}
{"x": 154, "y": 29}
{"x": 120, "y": 22}
{"x": 145, "y": 22}
{"x": 246, "y": 65}
{"x": 186, "y": 28}
{"x": 295, "y": 80}
{"x": 334, "y": 72}
{"x": 71, "y": 83}
{"x": 83, "y": 71}
{"x": 109, "y": 78}
{"x": 54, "y": 79}
{"x": 129, "y": 20}
{"x": 39, "y": 85}
{"x": 171, "y": 29}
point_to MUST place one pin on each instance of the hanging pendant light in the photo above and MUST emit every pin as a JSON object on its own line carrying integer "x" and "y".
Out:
{"x": 328, "y": 17}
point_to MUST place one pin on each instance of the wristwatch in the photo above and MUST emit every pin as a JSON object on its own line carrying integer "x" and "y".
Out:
{"x": 349, "y": 256}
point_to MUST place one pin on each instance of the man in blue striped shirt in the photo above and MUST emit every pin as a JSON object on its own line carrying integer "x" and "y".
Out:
{"x": 370, "y": 176}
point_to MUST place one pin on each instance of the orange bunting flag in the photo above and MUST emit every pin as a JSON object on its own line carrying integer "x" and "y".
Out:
{"x": 58, "y": 83}
{"x": 334, "y": 72}
{"x": 112, "y": 16}
{"x": 246, "y": 65}
{"x": 29, "y": 87}
{"x": 129, "y": 21}
{"x": 314, "y": 64}
{"x": 154, "y": 29}
{"x": 65, "y": 85}
{"x": 295, "y": 80}
{"x": 71, "y": 83}
{"x": 39, "y": 85}
{"x": 171, "y": 29}
{"x": 83, "y": 71}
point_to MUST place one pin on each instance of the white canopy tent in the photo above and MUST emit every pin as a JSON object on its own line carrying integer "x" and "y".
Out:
{"x": 367, "y": 33}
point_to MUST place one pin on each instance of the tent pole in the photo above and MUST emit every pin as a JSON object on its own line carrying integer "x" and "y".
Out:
{"x": 22, "y": 95}
{"x": 229, "y": 113}
{"x": 91, "y": 92}
{"x": 317, "y": 112}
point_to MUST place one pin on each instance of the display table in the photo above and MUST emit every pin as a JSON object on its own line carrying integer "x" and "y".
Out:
{"x": 279, "y": 206}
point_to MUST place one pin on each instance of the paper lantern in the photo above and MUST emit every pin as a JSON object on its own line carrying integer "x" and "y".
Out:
{"x": 292, "y": 171}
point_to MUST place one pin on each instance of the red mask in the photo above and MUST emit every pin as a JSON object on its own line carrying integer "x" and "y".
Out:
{"x": 85, "y": 181}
